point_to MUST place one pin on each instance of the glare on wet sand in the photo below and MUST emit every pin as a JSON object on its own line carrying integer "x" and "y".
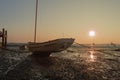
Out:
{"x": 75, "y": 63}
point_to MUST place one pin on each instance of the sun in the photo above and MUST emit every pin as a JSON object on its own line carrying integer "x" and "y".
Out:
{"x": 92, "y": 33}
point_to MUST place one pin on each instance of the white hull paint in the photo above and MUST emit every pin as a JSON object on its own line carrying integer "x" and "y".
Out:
{"x": 51, "y": 46}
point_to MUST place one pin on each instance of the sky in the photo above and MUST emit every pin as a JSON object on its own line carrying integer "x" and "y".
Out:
{"x": 61, "y": 19}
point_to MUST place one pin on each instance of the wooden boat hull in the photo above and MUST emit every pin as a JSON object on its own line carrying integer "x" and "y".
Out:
{"x": 50, "y": 46}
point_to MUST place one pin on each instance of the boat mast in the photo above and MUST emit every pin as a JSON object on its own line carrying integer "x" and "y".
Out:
{"x": 36, "y": 20}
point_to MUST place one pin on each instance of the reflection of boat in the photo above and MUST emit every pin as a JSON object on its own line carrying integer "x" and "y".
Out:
{"x": 48, "y": 47}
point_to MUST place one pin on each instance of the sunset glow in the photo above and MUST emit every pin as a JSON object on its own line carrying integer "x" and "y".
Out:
{"x": 74, "y": 18}
{"x": 92, "y": 33}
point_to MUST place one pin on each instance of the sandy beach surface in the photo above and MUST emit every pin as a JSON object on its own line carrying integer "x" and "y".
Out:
{"x": 75, "y": 63}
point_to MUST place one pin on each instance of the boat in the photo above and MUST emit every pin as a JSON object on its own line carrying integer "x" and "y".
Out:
{"x": 44, "y": 49}
{"x": 48, "y": 47}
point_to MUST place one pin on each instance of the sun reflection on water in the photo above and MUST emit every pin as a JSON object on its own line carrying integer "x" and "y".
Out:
{"x": 92, "y": 56}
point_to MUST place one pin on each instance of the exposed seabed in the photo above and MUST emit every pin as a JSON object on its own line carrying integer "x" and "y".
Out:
{"x": 75, "y": 63}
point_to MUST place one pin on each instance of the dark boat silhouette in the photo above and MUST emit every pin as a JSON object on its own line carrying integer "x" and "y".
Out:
{"x": 46, "y": 48}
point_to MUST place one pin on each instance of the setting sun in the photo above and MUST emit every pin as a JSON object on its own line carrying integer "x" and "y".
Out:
{"x": 92, "y": 33}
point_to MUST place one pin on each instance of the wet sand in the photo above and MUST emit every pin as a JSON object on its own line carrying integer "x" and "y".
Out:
{"x": 73, "y": 64}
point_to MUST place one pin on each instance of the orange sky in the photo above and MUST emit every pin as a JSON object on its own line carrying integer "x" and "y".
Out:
{"x": 61, "y": 18}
